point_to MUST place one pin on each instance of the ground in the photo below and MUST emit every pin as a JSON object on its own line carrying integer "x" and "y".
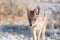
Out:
{"x": 21, "y": 32}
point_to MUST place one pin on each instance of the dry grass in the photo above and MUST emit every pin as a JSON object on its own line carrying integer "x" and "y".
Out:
{"x": 14, "y": 18}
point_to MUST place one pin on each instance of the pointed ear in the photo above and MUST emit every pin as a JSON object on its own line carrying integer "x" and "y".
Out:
{"x": 37, "y": 10}
{"x": 28, "y": 8}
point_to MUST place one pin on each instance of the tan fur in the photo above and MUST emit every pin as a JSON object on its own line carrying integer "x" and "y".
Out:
{"x": 38, "y": 26}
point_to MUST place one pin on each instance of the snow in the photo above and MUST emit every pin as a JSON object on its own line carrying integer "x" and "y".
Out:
{"x": 22, "y": 33}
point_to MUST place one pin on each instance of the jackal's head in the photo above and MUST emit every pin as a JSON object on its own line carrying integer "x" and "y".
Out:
{"x": 33, "y": 15}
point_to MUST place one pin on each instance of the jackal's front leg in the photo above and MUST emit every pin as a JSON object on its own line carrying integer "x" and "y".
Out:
{"x": 33, "y": 34}
{"x": 38, "y": 35}
{"x": 39, "y": 32}
{"x": 43, "y": 33}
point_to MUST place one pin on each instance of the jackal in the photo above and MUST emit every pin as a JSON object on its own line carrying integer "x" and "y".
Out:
{"x": 37, "y": 23}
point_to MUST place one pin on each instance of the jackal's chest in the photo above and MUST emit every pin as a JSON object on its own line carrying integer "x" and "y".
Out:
{"x": 38, "y": 23}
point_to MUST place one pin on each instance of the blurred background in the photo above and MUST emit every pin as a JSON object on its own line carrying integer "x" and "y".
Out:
{"x": 14, "y": 23}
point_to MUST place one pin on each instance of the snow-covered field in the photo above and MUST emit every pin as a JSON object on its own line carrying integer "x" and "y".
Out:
{"x": 21, "y": 32}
